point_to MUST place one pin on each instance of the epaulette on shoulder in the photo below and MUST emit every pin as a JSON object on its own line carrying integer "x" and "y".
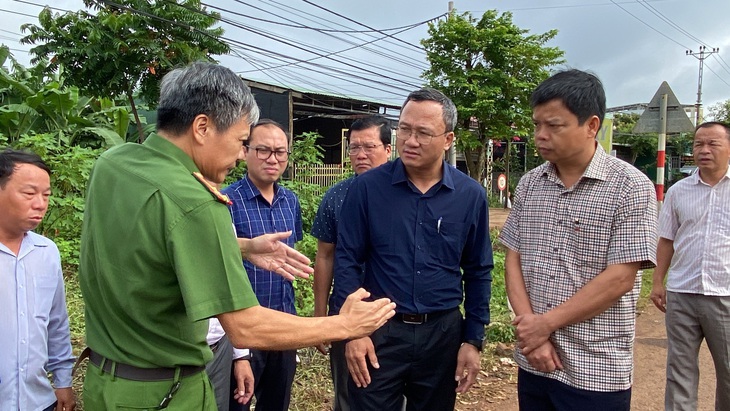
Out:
{"x": 220, "y": 197}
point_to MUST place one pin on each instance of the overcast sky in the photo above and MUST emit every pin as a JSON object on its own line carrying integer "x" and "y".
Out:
{"x": 631, "y": 45}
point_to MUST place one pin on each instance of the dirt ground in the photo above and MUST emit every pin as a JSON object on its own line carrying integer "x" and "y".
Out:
{"x": 496, "y": 388}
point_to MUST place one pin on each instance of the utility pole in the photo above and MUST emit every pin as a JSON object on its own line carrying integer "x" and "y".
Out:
{"x": 452, "y": 150}
{"x": 701, "y": 56}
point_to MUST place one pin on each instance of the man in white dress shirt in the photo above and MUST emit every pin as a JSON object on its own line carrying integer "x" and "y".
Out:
{"x": 34, "y": 335}
{"x": 694, "y": 247}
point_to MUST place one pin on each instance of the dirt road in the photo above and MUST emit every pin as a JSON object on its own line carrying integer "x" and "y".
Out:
{"x": 649, "y": 373}
{"x": 497, "y": 388}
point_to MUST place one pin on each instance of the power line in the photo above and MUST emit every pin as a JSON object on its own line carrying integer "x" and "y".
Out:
{"x": 18, "y": 13}
{"x": 722, "y": 62}
{"x": 568, "y": 6}
{"x": 343, "y": 75}
{"x": 318, "y": 29}
{"x": 316, "y": 18}
{"x": 380, "y": 52}
{"x": 289, "y": 42}
{"x": 667, "y": 20}
{"x": 648, "y": 25}
{"x": 718, "y": 76}
{"x": 420, "y": 48}
{"x": 108, "y": 2}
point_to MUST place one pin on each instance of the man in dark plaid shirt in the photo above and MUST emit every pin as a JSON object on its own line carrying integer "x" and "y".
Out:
{"x": 581, "y": 226}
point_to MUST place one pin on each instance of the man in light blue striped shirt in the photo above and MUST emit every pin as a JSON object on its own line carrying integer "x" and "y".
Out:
{"x": 694, "y": 248}
{"x": 34, "y": 331}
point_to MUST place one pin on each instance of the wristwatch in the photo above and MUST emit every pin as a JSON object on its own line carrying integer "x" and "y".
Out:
{"x": 476, "y": 343}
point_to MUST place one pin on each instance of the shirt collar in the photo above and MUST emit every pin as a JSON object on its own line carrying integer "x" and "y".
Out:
{"x": 597, "y": 169}
{"x": 399, "y": 174}
{"x": 161, "y": 144}
{"x": 30, "y": 241}
{"x": 697, "y": 180}
{"x": 251, "y": 191}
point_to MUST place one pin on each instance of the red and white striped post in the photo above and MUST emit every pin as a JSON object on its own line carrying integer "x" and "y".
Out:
{"x": 661, "y": 151}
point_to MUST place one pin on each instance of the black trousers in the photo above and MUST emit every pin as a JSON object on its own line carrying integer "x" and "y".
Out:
{"x": 538, "y": 393}
{"x": 417, "y": 361}
{"x": 273, "y": 373}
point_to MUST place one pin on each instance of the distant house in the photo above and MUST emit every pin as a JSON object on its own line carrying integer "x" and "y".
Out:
{"x": 330, "y": 115}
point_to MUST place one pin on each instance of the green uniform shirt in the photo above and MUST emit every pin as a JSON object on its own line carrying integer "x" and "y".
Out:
{"x": 158, "y": 257}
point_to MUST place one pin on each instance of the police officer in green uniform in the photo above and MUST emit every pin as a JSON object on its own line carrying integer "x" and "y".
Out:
{"x": 159, "y": 256}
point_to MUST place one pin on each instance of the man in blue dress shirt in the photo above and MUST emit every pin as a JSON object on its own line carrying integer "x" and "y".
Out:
{"x": 369, "y": 147}
{"x": 35, "y": 336}
{"x": 421, "y": 228}
{"x": 262, "y": 206}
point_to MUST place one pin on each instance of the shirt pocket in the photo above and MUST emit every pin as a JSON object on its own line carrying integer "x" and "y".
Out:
{"x": 44, "y": 290}
{"x": 444, "y": 241}
{"x": 593, "y": 241}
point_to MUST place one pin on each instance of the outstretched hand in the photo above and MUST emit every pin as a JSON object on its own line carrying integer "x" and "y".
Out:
{"x": 267, "y": 251}
{"x": 363, "y": 317}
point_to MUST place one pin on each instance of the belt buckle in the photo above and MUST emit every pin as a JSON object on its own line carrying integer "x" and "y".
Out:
{"x": 415, "y": 319}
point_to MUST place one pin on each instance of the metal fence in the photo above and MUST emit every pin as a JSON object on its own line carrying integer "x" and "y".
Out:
{"x": 324, "y": 175}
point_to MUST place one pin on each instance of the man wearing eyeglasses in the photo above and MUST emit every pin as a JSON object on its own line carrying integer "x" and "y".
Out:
{"x": 369, "y": 147}
{"x": 421, "y": 229}
{"x": 262, "y": 206}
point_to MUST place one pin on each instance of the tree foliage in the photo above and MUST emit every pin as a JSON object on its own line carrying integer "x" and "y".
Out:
{"x": 125, "y": 46}
{"x": 39, "y": 113}
{"x": 721, "y": 111}
{"x": 639, "y": 144}
{"x": 32, "y": 101}
{"x": 489, "y": 68}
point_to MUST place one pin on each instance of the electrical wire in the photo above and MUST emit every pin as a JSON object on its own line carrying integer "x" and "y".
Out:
{"x": 393, "y": 56}
{"x": 667, "y": 20}
{"x": 317, "y": 18}
{"x": 307, "y": 46}
{"x": 419, "y": 48}
{"x": 648, "y": 25}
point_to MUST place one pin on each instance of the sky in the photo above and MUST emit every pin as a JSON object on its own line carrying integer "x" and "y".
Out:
{"x": 341, "y": 47}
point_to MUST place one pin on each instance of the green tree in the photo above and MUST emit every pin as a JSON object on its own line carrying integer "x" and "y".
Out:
{"x": 489, "y": 68}
{"x": 638, "y": 144}
{"x": 38, "y": 112}
{"x": 125, "y": 46}
{"x": 721, "y": 111}
{"x": 32, "y": 101}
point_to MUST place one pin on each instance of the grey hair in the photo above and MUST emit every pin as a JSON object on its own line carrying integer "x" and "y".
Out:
{"x": 447, "y": 106}
{"x": 204, "y": 88}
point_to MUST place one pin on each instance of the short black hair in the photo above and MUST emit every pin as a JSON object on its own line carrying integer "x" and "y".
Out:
{"x": 365, "y": 123}
{"x": 581, "y": 92}
{"x": 709, "y": 124}
{"x": 10, "y": 159}
{"x": 267, "y": 122}
{"x": 448, "y": 109}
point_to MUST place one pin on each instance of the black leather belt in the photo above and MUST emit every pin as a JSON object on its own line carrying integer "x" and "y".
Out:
{"x": 130, "y": 372}
{"x": 214, "y": 346}
{"x": 421, "y": 318}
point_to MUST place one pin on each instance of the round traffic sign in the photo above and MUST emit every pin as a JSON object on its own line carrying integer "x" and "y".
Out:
{"x": 501, "y": 182}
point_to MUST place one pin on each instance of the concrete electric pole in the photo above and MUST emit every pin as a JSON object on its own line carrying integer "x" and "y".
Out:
{"x": 451, "y": 156}
{"x": 701, "y": 56}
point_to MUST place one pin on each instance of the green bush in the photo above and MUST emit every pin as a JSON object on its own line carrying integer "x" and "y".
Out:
{"x": 500, "y": 328}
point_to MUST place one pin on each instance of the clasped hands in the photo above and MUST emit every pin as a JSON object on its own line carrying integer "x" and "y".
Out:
{"x": 533, "y": 338}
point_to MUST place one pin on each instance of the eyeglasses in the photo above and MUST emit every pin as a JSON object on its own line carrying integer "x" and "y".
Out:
{"x": 423, "y": 138}
{"x": 264, "y": 153}
{"x": 366, "y": 148}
